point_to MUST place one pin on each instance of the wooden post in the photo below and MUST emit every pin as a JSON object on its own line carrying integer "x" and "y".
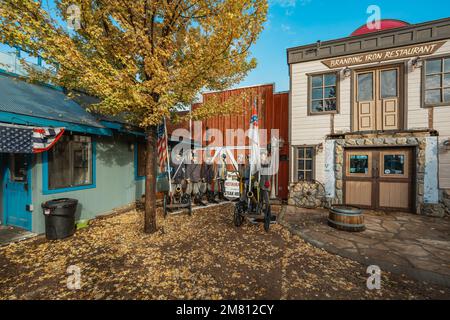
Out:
{"x": 150, "y": 182}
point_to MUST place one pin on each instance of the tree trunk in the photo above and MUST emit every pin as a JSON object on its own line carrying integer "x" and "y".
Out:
{"x": 150, "y": 182}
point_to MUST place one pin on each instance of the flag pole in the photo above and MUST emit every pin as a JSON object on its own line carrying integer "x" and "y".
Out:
{"x": 251, "y": 159}
{"x": 167, "y": 153}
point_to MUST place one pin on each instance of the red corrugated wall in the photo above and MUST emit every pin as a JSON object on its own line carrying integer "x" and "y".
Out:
{"x": 278, "y": 118}
{"x": 272, "y": 114}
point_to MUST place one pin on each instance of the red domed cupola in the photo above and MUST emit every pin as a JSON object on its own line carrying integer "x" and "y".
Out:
{"x": 386, "y": 24}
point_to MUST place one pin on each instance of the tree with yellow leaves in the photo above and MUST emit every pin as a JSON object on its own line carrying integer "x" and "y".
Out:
{"x": 140, "y": 57}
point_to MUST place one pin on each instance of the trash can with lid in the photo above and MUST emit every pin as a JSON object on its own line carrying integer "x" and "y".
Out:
{"x": 59, "y": 218}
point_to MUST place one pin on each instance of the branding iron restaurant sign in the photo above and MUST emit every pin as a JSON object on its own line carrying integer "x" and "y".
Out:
{"x": 386, "y": 55}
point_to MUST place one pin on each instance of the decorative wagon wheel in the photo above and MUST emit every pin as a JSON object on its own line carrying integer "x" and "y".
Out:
{"x": 309, "y": 194}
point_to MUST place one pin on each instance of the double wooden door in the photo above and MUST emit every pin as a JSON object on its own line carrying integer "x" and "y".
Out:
{"x": 379, "y": 178}
{"x": 378, "y": 99}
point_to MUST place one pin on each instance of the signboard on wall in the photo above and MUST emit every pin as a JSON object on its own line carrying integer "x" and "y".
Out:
{"x": 232, "y": 185}
{"x": 385, "y": 55}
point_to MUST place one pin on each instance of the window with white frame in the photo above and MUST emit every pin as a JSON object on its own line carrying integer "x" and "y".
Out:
{"x": 305, "y": 164}
{"x": 436, "y": 82}
{"x": 323, "y": 93}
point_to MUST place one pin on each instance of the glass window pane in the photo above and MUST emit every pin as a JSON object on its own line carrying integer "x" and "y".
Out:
{"x": 301, "y": 153}
{"x": 82, "y": 162}
{"x": 330, "y": 105}
{"x": 365, "y": 87}
{"x": 308, "y": 164}
{"x": 330, "y": 79}
{"x": 70, "y": 162}
{"x": 18, "y": 165}
{"x": 59, "y": 169}
{"x": 330, "y": 92}
{"x": 432, "y": 96}
{"x": 309, "y": 152}
{"x": 308, "y": 175}
{"x": 301, "y": 175}
{"x": 359, "y": 164}
{"x": 394, "y": 164}
{"x": 446, "y": 80}
{"x": 433, "y": 66}
{"x": 388, "y": 84}
{"x": 317, "y": 106}
{"x": 301, "y": 164}
{"x": 447, "y": 95}
{"x": 317, "y": 93}
{"x": 317, "y": 81}
{"x": 433, "y": 82}
{"x": 447, "y": 65}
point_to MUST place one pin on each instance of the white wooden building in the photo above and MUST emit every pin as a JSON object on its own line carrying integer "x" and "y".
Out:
{"x": 370, "y": 117}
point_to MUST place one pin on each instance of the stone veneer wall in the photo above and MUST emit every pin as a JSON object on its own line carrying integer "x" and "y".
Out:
{"x": 403, "y": 139}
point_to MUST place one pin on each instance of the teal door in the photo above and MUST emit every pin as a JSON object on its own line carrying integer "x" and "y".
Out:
{"x": 17, "y": 191}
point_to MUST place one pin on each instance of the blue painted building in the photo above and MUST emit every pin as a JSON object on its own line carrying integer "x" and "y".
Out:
{"x": 97, "y": 160}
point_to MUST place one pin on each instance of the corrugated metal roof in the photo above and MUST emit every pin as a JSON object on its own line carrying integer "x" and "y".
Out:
{"x": 20, "y": 97}
{"x": 86, "y": 101}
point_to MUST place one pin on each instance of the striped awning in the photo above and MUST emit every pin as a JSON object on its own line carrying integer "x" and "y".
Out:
{"x": 27, "y": 139}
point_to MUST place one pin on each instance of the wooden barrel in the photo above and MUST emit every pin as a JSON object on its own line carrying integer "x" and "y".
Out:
{"x": 346, "y": 218}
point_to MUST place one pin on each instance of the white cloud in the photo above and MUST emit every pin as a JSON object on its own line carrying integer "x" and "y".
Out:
{"x": 287, "y": 29}
{"x": 284, "y": 3}
{"x": 289, "y": 3}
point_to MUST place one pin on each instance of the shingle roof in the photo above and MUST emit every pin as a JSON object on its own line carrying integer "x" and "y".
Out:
{"x": 20, "y": 97}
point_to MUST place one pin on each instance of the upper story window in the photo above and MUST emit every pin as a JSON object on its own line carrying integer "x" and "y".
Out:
{"x": 70, "y": 162}
{"x": 437, "y": 82}
{"x": 323, "y": 93}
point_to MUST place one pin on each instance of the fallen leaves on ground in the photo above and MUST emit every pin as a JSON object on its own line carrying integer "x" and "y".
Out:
{"x": 198, "y": 257}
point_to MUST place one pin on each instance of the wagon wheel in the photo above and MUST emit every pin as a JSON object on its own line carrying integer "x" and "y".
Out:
{"x": 185, "y": 198}
{"x": 238, "y": 217}
{"x": 309, "y": 194}
{"x": 265, "y": 208}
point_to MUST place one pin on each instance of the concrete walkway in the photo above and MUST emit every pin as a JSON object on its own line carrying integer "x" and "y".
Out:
{"x": 403, "y": 243}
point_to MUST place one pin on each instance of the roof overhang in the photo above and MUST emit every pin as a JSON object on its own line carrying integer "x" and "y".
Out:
{"x": 399, "y": 37}
{"x": 19, "y": 119}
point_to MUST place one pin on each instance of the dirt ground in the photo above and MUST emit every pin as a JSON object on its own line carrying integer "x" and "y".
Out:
{"x": 198, "y": 257}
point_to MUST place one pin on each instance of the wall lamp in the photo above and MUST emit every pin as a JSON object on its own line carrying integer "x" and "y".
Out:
{"x": 447, "y": 144}
{"x": 347, "y": 72}
{"x": 417, "y": 63}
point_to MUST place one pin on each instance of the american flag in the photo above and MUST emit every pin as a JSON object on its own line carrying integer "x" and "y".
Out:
{"x": 162, "y": 146}
{"x": 25, "y": 139}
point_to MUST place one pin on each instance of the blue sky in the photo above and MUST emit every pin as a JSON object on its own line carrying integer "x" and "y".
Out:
{"x": 298, "y": 22}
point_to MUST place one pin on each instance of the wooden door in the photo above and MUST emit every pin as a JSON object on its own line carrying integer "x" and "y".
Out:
{"x": 359, "y": 178}
{"x": 394, "y": 179}
{"x": 379, "y": 178}
{"x": 366, "y": 101}
{"x": 377, "y": 99}
{"x": 17, "y": 191}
